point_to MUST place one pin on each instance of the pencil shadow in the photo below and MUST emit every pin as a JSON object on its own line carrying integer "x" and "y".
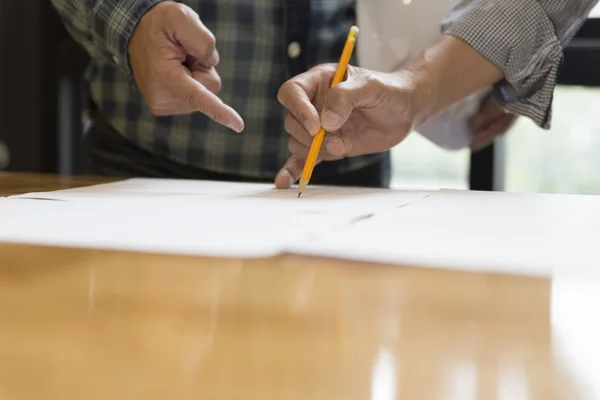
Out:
{"x": 316, "y": 193}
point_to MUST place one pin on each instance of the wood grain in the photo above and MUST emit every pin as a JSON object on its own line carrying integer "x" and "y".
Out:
{"x": 89, "y": 324}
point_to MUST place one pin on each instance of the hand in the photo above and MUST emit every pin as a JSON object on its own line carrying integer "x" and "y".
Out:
{"x": 368, "y": 113}
{"x": 173, "y": 58}
{"x": 489, "y": 122}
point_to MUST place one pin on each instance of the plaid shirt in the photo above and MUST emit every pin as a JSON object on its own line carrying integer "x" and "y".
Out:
{"x": 522, "y": 37}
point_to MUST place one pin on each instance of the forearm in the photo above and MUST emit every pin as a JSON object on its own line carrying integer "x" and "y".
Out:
{"x": 446, "y": 73}
{"x": 524, "y": 39}
{"x": 104, "y": 27}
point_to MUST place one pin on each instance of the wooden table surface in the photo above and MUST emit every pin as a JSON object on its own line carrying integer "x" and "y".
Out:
{"x": 81, "y": 324}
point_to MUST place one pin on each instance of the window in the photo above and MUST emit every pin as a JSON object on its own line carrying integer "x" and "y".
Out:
{"x": 418, "y": 163}
{"x": 564, "y": 159}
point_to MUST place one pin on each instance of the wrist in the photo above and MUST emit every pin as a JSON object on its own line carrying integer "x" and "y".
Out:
{"x": 446, "y": 73}
{"x": 144, "y": 11}
{"x": 419, "y": 86}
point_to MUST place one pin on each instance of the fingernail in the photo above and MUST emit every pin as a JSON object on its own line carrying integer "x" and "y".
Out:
{"x": 308, "y": 126}
{"x": 285, "y": 174}
{"x": 335, "y": 147}
{"x": 234, "y": 126}
{"x": 330, "y": 120}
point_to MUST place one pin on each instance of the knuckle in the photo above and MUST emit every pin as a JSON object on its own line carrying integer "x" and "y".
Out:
{"x": 325, "y": 74}
{"x": 218, "y": 85}
{"x": 298, "y": 163}
{"x": 213, "y": 84}
{"x": 210, "y": 42}
{"x": 165, "y": 51}
{"x": 281, "y": 92}
{"x": 297, "y": 149}
{"x": 301, "y": 116}
{"x": 184, "y": 10}
{"x": 192, "y": 101}
{"x": 347, "y": 145}
{"x": 176, "y": 11}
{"x": 287, "y": 124}
{"x": 378, "y": 81}
{"x": 209, "y": 46}
{"x": 353, "y": 71}
{"x": 326, "y": 68}
{"x": 209, "y": 112}
{"x": 378, "y": 87}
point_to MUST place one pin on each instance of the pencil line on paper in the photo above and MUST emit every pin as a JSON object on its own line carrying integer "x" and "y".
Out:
{"x": 412, "y": 202}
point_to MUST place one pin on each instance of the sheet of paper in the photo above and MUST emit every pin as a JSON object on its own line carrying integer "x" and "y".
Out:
{"x": 178, "y": 229}
{"x": 189, "y": 217}
{"x": 539, "y": 235}
{"x": 316, "y": 199}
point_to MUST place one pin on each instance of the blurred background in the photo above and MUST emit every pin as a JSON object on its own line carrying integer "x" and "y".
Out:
{"x": 565, "y": 159}
{"x": 41, "y": 118}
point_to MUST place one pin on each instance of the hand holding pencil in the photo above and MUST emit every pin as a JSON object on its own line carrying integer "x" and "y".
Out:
{"x": 315, "y": 147}
{"x": 369, "y": 112}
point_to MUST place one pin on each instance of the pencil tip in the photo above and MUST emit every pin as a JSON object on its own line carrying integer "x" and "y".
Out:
{"x": 302, "y": 186}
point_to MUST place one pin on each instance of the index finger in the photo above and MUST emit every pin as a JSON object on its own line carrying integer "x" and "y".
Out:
{"x": 196, "y": 97}
{"x": 298, "y": 93}
{"x": 290, "y": 172}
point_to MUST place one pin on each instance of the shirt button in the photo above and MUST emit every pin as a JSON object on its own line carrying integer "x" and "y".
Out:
{"x": 294, "y": 50}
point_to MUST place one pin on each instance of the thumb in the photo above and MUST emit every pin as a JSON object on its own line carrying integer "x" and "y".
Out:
{"x": 358, "y": 91}
{"x": 196, "y": 97}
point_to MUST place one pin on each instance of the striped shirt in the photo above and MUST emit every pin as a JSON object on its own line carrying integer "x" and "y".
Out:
{"x": 262, "y": 43}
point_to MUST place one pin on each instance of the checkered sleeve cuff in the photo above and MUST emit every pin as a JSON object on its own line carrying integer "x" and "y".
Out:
{"x": 114, "y": 22}
{"x": 520, "y": 39}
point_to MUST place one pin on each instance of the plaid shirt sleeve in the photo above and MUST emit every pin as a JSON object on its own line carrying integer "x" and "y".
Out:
{"x": 104, "y": 27}
{"x": 524, "y": 38}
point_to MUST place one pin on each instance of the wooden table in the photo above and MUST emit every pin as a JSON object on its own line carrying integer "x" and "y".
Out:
{"x": 88, "y": 324}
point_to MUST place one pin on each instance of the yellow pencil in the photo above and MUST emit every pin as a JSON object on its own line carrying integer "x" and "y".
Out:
{"x": 315, "y": 147}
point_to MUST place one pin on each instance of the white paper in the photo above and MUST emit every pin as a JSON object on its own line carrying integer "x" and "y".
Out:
{"x": 129, "y": 226}
{"x": 524, "y": 234}
{"x": 317, "y": 199}
{"x": 188, "y": 217}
